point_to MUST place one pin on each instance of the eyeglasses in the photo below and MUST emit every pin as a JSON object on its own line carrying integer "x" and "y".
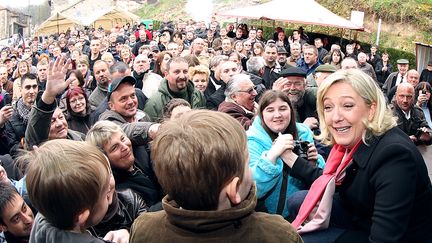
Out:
{"x": 249, "y": 91}
{"x": 74, "y": 101}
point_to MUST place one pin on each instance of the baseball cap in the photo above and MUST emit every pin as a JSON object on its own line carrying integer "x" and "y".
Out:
{"x": 113, "y": 86}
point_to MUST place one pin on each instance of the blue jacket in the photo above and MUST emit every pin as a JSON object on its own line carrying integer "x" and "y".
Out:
{"x": 268, "y": 175}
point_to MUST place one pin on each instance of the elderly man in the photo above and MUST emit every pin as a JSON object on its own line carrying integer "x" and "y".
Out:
{"x": 103, "y": 78}
{"x": 412, "y": 77}
{"x": 365, "y": 66}
{"x": 197, "y": 46}
{"x": 349, "y": 63}
{"x": 282, "y": 57}
{"x": 226, "y": 70}
{"x": 293, "y": 83}
{"x": 176, "y": 84}
{"x": 398, "y": 77}
{"x": 146, "y": 80}
{"x": 410, "y": 118}
{"x": 295, "y": 54}
{"x": 322, "y": 72}
{"x": 46, "y": 121}
{"x": 240, "y": 103}
{"x": 255, "y": 69}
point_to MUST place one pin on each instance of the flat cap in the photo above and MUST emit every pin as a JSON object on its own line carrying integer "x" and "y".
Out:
{"x": 281, "y": 50}
{"x": 325, "y": 68}
{"x": 402, "y": 61}
{"x": 293, "y": 72}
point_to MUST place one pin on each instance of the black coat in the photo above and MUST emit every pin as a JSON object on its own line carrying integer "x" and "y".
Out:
{"x": 142, "y": 179}
{"x": 216, "y": 98}
{"x": 15, "y": 131}
{"x": 382, "y": 75}
{"x": 386, "y": 189}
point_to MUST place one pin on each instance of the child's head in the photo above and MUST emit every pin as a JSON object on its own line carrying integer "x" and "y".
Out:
{"x": 197, "y": 155}
{"x": 68, "y": 182}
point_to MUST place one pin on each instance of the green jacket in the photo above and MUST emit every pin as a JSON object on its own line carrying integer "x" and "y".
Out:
{"x": 156, "y": 103}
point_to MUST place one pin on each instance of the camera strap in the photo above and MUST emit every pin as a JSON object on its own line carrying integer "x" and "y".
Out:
{"x": 283, "y": 190}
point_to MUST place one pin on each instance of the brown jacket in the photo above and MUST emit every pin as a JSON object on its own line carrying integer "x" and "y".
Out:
{"x": 237, "y": 224}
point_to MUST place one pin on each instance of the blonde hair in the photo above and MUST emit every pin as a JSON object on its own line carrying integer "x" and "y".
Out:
{"x": 199, "y": 69}
{"x": 64, "y": 178}
{"x": 383, "y": 119}
{"x": 101, "y": 133}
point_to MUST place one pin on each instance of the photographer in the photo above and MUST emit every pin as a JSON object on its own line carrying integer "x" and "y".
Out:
{"x": 269, "y": 137}
{"x": 411, "y": 119}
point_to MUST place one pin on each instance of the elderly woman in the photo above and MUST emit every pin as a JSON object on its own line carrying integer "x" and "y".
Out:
{"x": 375, "y": 186}
{"x": 131, "y": 166}
{"x": 199, "y": 75}
{"x": 267, "y": 142}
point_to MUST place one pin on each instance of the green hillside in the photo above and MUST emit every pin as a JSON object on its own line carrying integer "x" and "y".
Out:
{"x": 403, "y": 21}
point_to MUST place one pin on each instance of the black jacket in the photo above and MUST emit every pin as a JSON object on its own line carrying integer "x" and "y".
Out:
{"x": 142, "y": 179}
{"x": 216, "y": 98}
{"x": 386, "y": 189}
{"x": 412, "y": 125}
{"x": 126, "y": 207}
{"x": 15, "y": 131}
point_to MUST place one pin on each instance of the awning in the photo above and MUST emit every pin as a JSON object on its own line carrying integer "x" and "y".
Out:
{"x": 293, "y": 11}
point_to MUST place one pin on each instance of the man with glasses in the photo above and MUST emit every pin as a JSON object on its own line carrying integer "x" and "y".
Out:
{"x": 240, "y": 100}
{"x": 293, "y": 83}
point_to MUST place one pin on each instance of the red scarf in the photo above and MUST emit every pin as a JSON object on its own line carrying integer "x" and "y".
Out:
{"x": 336, "y": 163}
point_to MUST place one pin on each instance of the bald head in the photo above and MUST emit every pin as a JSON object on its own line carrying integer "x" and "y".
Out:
{"x": 405, "y": 96}
{"x": 349, "y": 63}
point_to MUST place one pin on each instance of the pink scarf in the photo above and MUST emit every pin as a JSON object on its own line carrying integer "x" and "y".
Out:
{"x": 322, "y": 190}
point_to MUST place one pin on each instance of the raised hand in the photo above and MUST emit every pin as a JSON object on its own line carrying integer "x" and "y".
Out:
{"x": 56, "y": 83}
{"x": 280, "y": 84}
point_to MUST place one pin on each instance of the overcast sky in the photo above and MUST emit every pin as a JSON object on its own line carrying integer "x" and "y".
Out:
{"x": 19, "y": 3}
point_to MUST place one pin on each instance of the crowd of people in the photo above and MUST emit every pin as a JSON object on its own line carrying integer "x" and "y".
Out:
{"x": 195, "y": 132}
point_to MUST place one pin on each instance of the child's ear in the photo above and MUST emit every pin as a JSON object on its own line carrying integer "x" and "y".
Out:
{"x": 82, "y": 217}
{"x": 232, "y": 191}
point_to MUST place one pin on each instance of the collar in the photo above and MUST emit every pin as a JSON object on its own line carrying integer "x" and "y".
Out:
{"x": 205, "y": 221}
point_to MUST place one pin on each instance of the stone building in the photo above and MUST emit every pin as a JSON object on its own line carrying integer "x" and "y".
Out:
{"x": 13, "y": 22}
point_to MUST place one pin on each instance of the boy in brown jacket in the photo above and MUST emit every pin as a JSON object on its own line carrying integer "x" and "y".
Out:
{"x": 202, "y": 162}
